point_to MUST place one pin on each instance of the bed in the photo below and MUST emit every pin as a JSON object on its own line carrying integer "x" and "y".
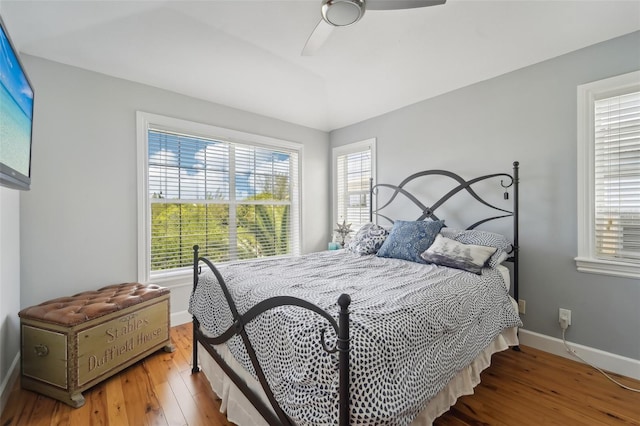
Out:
{"x": 390, "y": 330}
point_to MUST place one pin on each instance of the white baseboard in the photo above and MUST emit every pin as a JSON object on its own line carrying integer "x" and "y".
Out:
{"x": 628, "y": 367}
{"x": 182, "y": 317}
{"x": 7, "y": 384}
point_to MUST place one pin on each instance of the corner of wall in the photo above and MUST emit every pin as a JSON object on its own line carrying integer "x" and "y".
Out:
{"x": 9, "y": 289}
{"x": 7, "y": 383}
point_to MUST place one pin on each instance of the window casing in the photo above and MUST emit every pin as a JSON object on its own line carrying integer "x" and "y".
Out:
{"x": 609, "y": 176}
{"x": 234, "y": 194}
{"x": 353, "y": 167}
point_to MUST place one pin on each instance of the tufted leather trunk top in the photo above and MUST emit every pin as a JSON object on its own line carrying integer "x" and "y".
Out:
{"x": 85, "y": 306}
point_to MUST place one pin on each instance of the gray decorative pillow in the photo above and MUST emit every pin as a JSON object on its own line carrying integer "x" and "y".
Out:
{"x": 368, "y": 239}
{"x": 482, "y": 238}
{"x": 468, "y": 257}
{"x": 408, "y": 239}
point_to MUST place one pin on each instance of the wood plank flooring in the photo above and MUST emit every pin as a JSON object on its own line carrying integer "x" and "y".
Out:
{"x": 519, "y": 388}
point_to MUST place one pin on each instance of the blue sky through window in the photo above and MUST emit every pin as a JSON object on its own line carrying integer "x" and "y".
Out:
{"x": 189, "y": 167}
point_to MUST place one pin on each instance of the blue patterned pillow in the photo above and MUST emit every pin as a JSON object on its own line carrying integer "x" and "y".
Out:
{"x": 407, "y": 240}
{"x": 368, "y": 239}
{"x": 482, "y": 238}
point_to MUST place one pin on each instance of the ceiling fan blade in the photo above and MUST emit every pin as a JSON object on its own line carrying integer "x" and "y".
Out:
{"x": 400, "y": 4}
{"x": 317, "y": 38}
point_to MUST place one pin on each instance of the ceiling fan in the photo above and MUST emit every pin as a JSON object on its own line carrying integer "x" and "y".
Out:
{"x": 340, "y": 13}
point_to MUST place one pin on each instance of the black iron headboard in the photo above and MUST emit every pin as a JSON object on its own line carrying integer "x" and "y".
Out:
{"x": 429, "y": 212}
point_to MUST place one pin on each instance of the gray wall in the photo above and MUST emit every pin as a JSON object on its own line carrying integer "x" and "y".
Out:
{"x": 9, "y": 285}
{"x": 79, "y": 221}
{"x": 527, "y": 115}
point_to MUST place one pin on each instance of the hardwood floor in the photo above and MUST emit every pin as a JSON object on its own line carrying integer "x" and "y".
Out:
{"x": 519, "y": 388}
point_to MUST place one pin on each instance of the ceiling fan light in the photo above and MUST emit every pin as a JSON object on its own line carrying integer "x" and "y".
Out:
{"x": 342, "y": 12}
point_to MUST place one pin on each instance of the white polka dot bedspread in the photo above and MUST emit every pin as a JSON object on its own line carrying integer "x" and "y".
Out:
{"x": 413, "y": 327}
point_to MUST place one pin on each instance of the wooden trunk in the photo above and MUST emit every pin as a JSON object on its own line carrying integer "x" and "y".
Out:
{"x": 62, "y": 361}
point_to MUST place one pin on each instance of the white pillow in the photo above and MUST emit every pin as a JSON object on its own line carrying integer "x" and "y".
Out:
{"x": 451, "y": 253}
{"x": 482, "y": 238}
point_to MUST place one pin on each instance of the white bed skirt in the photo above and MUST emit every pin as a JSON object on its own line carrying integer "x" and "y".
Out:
{"x": 240, "y": 411}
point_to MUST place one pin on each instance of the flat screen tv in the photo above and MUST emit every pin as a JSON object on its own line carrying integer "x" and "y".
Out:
{"x": 16, "y": 117}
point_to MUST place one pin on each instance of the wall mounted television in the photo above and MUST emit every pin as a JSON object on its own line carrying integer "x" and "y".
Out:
{"x": 16, "y": 117}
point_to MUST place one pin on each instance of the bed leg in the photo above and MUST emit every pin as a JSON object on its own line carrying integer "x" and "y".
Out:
{"x": 343, "y": 350}
{"x": 194, "y": 367}
{"x": 196, "y": 324}
{"x": 516, "y": 348}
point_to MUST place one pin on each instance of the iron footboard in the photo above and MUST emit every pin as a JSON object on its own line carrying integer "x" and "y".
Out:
{"x": 274, "y": 414}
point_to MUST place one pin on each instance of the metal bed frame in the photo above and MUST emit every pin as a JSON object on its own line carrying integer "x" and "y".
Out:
{"x": 274, "y": 414}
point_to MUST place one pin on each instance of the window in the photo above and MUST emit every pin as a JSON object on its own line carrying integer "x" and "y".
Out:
{"x": 234, "y": 194}
{"x": 353, "y": 167}
{"x": 609, "y": 176}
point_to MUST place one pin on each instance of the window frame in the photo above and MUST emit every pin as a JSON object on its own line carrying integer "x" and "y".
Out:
{"x": 587, "y": 260}
{"x": 351, "y": 148}
{"x": 145, "y": 121}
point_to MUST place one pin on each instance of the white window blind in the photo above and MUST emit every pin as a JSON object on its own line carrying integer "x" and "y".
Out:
{"x": 617, "y": 177}
{"x": 236, "y": 201}
{"x": 353, "y": 171}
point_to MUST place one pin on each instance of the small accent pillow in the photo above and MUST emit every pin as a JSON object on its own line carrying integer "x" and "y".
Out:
{"x": 482, "y": 238}
{"x": 451, "y": 253}
{"x": 368, "y": 239}
{"x": 407, "y": 240}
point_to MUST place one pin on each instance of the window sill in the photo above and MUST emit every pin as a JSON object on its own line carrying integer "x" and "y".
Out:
{"x": 607, "y": 267}
{"x": 177, "y": 278}
{"x": 184, "y": 276}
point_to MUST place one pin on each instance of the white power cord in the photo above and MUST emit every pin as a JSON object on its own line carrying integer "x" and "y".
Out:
{"x": 573, "y": 352}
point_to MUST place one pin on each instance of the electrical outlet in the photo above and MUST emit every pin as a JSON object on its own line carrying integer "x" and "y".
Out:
{"x": 522, "y": 306}
{"x": 564, "y": 317}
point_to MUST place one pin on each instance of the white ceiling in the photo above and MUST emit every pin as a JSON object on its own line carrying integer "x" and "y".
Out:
{"x": 247, "y": 54}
